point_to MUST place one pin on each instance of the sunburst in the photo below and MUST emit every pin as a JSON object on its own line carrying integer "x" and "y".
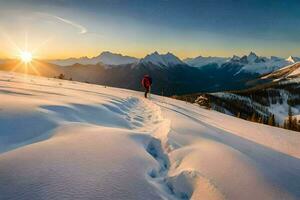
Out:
{"x": 26, "y": 56}
{"x": 28, "y": 59}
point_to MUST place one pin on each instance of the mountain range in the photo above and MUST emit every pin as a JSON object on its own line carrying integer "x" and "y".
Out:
{"x": 105, "y": 57}
{"x": 171, "y": 75}
{"x": 249, "y": 63}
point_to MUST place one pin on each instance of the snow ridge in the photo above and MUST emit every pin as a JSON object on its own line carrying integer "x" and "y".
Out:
{"x": 162, "y": 60}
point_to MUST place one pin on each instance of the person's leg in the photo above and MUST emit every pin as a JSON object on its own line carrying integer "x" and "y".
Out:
{"x": 146, "y": 92}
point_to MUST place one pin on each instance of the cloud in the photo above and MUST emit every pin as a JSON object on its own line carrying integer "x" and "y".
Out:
{"x": 82, "y": 29}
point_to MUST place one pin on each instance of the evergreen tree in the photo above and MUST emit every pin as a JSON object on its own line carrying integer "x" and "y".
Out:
{"x": 271, "y": 120}
{"x": 290, "y": 118}
{"x": 294, "y": 125}
{"x": 259, "y": 119}
{"x": 253, "y": 117}
{"x": 285, "y": 124}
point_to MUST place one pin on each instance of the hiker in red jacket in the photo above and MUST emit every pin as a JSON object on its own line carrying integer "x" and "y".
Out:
{"x": 146, "y": 82}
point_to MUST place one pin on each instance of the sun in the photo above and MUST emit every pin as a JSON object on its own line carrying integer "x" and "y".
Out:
{"x": 26, "y": 56}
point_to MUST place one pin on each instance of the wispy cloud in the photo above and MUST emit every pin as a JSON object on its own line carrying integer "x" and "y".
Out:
{"x": 81, "y": 28}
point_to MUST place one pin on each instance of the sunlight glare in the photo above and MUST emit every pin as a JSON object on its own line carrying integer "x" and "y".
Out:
{"x": 26, "y": 56}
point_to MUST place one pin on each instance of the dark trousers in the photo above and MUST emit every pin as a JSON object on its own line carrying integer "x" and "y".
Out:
{"x": 146, "y": 92}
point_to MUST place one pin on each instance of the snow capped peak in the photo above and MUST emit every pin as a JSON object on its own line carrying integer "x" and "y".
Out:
{"x": 202, "y": 61}
{"x": 235, "y": 58}
{"x": 167, "y": 59}
{"x": 108, "y": 53}
{"x": 261, "y": 65}
{"x": 293, "y": 59}
{"x": 252, "y": 57}
{"x": 110, "y": 58}
{"x": 106, "y": 57}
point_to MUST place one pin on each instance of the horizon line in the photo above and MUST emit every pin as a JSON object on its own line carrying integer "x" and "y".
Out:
{"x": 160, "y": 53}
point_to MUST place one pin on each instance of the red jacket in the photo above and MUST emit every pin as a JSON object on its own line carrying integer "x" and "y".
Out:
{"x": 147, "y": 81}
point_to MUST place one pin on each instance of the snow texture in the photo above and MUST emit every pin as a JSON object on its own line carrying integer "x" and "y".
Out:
{"x": 70, "y": 140}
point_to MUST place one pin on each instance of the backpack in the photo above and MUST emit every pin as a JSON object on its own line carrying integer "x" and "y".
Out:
{"x": 147, "y": 81}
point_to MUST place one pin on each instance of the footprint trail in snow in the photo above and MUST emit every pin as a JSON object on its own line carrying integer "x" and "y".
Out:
{"x": 146, "y": 117}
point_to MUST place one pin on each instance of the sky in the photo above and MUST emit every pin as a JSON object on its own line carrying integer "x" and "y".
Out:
{"x": 188, "y": 28}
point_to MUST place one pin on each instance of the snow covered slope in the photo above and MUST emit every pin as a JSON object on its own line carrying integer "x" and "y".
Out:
{"x": 69, "y": 140}
{"x": 289, "y": 71}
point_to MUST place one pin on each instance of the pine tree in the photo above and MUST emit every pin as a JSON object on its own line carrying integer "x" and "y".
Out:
{"x": 260, "y": 120}
{"x": 271, "y": 120}
{"x": 294, "y": 124}
{"x": 285, "y": 124}
{"x": 274, "y": 120}
{"x": 290, "y": 118}
{"x": 253, "y": 117}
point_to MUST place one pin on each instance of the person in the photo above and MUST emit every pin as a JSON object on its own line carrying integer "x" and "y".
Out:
{"x": 146, "y": 83}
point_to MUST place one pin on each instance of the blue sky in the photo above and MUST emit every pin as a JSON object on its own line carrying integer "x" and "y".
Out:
{"x": 72, "y": 28}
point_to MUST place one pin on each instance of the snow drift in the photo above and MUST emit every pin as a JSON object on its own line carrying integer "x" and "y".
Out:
{"x": 69, "y": 140}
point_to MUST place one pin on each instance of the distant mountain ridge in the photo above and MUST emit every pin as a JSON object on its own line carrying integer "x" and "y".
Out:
{"x": 251, "y": 63}
{"x": 202, "y": 61}
{"x": 165, "y": 60}
{"x": 171, "y": 75}
{"x": 105, "y": 57}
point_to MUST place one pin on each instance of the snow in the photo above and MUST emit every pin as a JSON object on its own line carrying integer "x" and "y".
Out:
{"x": 252, "y": 57}
{"x": 109, "y": 58}
{"x": 279, "y": 109}
{"x": 295, "y": 72}
{"x": 265, "y": 67}
{"x": 162, "y": 60}
{"x": 202, "y": 61}
{"x": 70, "y": 140}
{"x": 250, "y": 63}
{"x": 262, "y": 65}
{"x": 288, "y": 71}
{"x": 293, "y": 59}
{"x": 289, "y": 81}
{"x": 105, "y": 57}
